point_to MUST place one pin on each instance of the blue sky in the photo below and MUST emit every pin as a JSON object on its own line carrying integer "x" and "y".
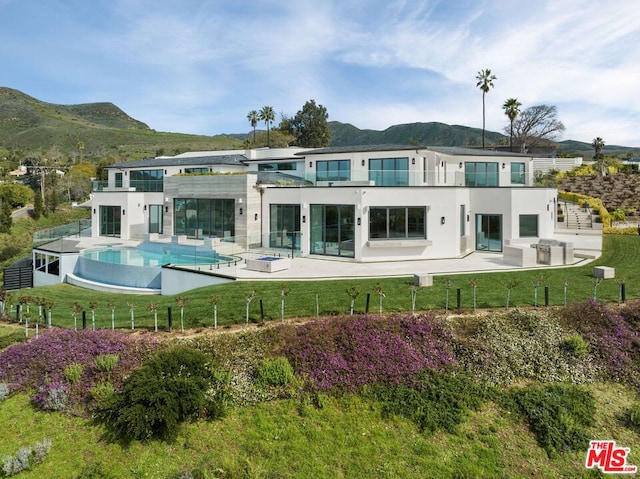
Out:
{"x": 199, "y": 66}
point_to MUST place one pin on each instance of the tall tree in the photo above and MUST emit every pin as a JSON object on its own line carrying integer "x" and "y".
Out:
{"x": 598, "y": 157}
{"x": 253, "y": 120}
{"x": 310, "y": 126}
{"x": 485, "y": 83}
{"x": 267, "y": 115}
{"x": 6, "y": 221}
{"x": 537, "y": 125}
{"x": 512, "y": 110}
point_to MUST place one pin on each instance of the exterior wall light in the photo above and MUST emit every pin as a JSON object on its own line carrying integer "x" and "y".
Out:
{"x": 442, "y": 220}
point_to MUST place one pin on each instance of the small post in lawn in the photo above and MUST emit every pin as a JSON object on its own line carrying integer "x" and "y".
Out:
{"x": 378, "y": 289}
{"x": 539, "y": 281}
{"x": 474, "y": 286}
{"x": 154, "y": 307}
{"x": 413, "y": 289}
{"x": 250, "y": 297}
{"x": 447, "y": 287}
{"x": 49, "y": 307}
{"x": 92, "y": 307}
{"x": 621, "y": 290}
{"x": 565, "y": 285}
{"x": 353, "y": 293}
{"x": 75, "y": 309}
{"x": 112, "y": 307}
{"x": 132, "y": 306}
{"x": 284, "y": 292}
{"x": 510, "y": 285}
{"x": 317, "y": 306}
{"x": 596, "y": 283}
{"x": 214, "y": 299}
{"x": 182, "y": 301}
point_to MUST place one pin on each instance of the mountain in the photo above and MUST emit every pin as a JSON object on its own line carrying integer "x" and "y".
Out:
{"x": 441, "y": 134}
{"x": 431, "y": 134}
{"x": 34, "y": 126}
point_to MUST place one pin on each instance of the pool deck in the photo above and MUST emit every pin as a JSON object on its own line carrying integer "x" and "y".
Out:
{"x": 587, "y": 246}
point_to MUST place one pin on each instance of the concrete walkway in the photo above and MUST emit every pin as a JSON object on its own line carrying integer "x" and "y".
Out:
{"x": 587, "y": 246}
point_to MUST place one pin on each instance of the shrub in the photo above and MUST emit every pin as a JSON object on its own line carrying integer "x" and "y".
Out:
{"x": 102, "y": 391}
{"x": 275, "y": 372}
{"x": 502, "y": 348}
{"x": 4, "y": 391}
{"x": 13, "y": 338}
{"x": 348, "y": 353}
{"x": 171, "y": 387}
{"x": 633, "y": 416}
{"x": 558, "y": 415}
{"x": 25, "y": 458}
{"x": 72, "y": 372}
{"x": 106, "y": 362}
{"x": 44, "y": 360}
{"x": 613, "y": 340}
{"x": 52, "y": 396}
{"x": 440, "y": 401}
{"x": 576, "y": 346}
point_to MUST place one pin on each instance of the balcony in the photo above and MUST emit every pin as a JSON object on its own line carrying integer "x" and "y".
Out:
{"x": 140, "y": 186}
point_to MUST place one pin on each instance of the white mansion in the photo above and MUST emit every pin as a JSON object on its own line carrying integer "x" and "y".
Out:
{"x": 361, "y": 203}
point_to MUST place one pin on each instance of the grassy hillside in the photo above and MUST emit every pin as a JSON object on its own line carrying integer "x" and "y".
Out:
{"x": 431, "y": 134}
{"x": 298, "y": 428}
{"x": 34, "y": 126}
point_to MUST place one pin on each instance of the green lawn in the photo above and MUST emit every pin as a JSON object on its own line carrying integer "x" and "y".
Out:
{"x": 346, "y": 438}
{"x": 308, "y": 298}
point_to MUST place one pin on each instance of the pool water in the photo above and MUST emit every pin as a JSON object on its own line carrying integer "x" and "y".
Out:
{"x": 156, "y": 254}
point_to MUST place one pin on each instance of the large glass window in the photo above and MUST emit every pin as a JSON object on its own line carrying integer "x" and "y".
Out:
{"x": 47, "y": 263}
{"x": 277, "y": 166}
{"x": 204, "y": 217}
{"x": 146, "y": 180}
{"x": 528, "y": 226}
{"x": 332, "y": 230}
{"x": 333, "y": 170}
{"x": 196, "y": 170}
{"x": 397, "y": 222}
{"x": 389, "y": 171}
{"x": 118, "y": 179}
{"x": 480, "y": 174}
{"x": 110, "y": 220}
{"x": 284, "y": 226}
{"x": 517, "y": 173}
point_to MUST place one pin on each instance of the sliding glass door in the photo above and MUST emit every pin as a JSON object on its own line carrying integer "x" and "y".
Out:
{"x": 489, "y": 232}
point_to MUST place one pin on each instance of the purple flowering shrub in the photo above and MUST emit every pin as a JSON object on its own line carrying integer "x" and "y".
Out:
{"x": 347, "y": 352}
{"x": 612, "y": 334}
{"x": 39, "y": 365}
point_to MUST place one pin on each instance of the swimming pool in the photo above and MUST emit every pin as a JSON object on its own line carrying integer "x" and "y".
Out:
{"x": 141, "y": 266}
{"x": 156, "y": 254}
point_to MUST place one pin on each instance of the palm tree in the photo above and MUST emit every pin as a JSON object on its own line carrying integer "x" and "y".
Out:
{"x": 267, "y": 115}
{"x": 512, "y": 110}
{"x": 485, "y": 83}
{"x": 598, "y": 144}
{"x": 253, "y": 119}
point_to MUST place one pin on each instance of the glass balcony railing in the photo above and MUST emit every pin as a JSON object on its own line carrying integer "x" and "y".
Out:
{"x": 397, "y": 178}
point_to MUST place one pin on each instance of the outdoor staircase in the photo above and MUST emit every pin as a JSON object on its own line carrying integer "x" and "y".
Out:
{"x": 576, "y": 217}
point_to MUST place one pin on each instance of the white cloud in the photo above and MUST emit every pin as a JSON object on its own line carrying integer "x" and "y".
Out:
{"x": 199, "y": 66}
